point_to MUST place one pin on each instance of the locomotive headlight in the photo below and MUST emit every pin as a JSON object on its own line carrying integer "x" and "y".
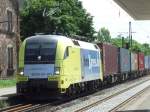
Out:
{"x": 57, "y": 70}
{"x": 21, "y": 73}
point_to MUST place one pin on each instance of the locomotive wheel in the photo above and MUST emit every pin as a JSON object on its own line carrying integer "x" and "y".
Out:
{"x": 73, "y": 89}
{"x": 77, "y": 88}
{"x": 69, "y": 91}
{"x": 82, "y": 87}
{"x": 96, "y": 84}
{"x": 86, "y": 86}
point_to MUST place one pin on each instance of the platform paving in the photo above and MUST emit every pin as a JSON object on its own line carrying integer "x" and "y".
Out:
{"x": 115, "y": 101}
{"x": 6, "y": 92}
{"x": 139, "y": 104}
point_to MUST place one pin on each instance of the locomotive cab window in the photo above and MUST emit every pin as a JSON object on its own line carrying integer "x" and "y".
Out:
{"x": 47, "y": 49}
{"x": 40, "y": 52}
{"x": 66, "y": 52}
{"x": 32, "y": 49}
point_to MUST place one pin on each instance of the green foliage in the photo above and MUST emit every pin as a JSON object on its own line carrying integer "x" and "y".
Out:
{"x": 136, "y": 47}
{"x": 7, "y": 83}
{"x": 104, "y": 35}
{"x": 66, "y": 17}
{"x": 3, "y": 104}
{"x": 146, "y": 48}
{"x": 117, "y": 42}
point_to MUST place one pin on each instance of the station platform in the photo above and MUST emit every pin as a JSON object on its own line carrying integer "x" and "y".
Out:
{"x": 141, "y": 103}
{"x": 6, "y": 92}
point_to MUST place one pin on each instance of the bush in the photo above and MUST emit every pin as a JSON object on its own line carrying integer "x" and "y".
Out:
{"x": 7, "y": 83}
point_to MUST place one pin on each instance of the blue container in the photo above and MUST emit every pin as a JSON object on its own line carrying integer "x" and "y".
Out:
{"x": 146, "y": 62}
{"x": 124, "y": 60}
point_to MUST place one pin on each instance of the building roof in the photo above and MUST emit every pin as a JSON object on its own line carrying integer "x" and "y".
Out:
{"x": 138, "y": 9}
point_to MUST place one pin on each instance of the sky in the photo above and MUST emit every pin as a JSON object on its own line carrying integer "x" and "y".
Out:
{"x": 106, "y": 13}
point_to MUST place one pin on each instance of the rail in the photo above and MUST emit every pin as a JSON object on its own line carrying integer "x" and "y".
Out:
{"x": 86, "y": 108}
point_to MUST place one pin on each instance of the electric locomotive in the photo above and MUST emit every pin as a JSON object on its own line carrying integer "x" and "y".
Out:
{"x": 52, "y": 65}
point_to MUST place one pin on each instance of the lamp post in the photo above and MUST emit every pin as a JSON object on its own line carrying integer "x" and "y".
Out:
{"x": 129, "y": 43}
{"x": 130, "y": 35}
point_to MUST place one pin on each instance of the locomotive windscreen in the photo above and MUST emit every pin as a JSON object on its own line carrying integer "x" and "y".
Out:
{"x": 40, "y": 51}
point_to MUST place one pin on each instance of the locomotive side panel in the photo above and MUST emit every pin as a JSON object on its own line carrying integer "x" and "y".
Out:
{"x": 90, "y": 65}
{"x": 71, "y": 71}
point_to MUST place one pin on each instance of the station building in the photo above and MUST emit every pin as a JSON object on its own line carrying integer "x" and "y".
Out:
{"x": 9, "y": 37}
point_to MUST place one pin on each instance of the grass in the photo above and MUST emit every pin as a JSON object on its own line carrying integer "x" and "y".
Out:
{"x": 3, "y": 104}
{"x": 7, "y": 83}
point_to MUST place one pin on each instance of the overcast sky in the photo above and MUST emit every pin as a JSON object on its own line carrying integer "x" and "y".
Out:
{"x": 108, "y": 14}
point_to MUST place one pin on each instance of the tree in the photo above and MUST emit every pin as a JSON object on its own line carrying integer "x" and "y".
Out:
{"x": 136, "y": 47}
{"x": 104, "y": 35}
{"x": 117, "y": 42}
{"x": 66, "y": 17}
{"x": 146, "y": 48}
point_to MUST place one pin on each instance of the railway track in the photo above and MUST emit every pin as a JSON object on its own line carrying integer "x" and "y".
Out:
{"x": 54, "y": 105}
{"x": 127, "y": 101}
{"x": 28, "y": 107}
{"x": 19, "y": 108}
{"x": 88, "y": 107}
{"x": 33, "y": 107}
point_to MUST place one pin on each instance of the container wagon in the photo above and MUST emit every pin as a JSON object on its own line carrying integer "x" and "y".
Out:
{"x": 146, "y": 64}
{"x": 149, "y": 64}
{"x": 124, "y": 63}
{"x": 134, "y": 65}
{"x": 141, "y": 65}
{"x": 109, "y": 61}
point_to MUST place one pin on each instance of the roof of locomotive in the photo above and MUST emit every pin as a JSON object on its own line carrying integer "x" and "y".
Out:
{"x": 48, "y": 38}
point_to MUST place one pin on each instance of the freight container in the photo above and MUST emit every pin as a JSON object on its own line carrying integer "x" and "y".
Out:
{"x": 140, "y": 61}
{"x": 146, "y": 62}
{"x": 109, "y": 58}
{"x": 134, "y": 62}
{"x": 149, "y": 62}
{"x": 124, "y": 60}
